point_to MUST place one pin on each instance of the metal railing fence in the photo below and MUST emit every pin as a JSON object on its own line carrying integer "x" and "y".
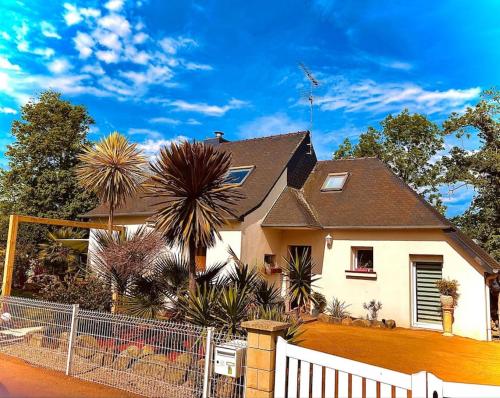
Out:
{"x": 147, "y": 357}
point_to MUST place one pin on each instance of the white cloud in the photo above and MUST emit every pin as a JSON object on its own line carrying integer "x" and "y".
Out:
{"x": 117, "y": 87}
{"x": 140, "y": 38}
{"x": 171, "y": 45}
{"x": 5, "y": 35}
{"x": 399, "y": 65}
{"x": 109, "y": 57}
{"x": 195, "y": 66}
{"x": 6, "y": 109}
{"x": 206, "y": 109}
{"x": 44, "y": 52}
{"x": 84, "y": 44}
{"x": 72, "y": 16}
{"x": 152, "y": 75}
{"x": 6, "y": 64}
{"x": 151, "y": 147}
{"x": 164, "y": 120}
{"x": 108, "y": 39}
{"x": 373, "y": 97}
{"x": 269, "y": 125}
{"x": 49, "y": 30}
{"x": 152, "y": 134}
{"x": 95, "y": 69}
{"x": 114, "y": 5}
{"x": 59, "y": 66}
{"x": 193, "y": 122}
{"x": 115, "y": 23}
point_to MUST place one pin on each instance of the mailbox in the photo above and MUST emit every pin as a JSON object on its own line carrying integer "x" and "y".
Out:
{"x": 229, "y": 358}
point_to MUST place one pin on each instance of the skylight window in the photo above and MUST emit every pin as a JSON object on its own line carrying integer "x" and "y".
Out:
{"x": 238, "y": 175}
{"x": 335, "y": 182}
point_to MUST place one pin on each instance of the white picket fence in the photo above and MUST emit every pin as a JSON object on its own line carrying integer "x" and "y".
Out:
{"x": 305, "y": 373}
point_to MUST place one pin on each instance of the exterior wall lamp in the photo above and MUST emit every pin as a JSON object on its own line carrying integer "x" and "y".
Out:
{"x": 329, "y": 241}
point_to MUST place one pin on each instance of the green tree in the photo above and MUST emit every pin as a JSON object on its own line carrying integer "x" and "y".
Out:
{"x": 479, "y": 169}
{"x": 40, "y": 180}
{"x": 407, "y": 143}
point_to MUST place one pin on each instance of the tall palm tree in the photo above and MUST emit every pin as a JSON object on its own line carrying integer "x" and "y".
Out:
{"x": 193, "y": 195}
{"x": 113, "y": 169}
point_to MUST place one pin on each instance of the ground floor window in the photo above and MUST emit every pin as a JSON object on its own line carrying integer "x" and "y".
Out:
{"x": 362, "y": 259}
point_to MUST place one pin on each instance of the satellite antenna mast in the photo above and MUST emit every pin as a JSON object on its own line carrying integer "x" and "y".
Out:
{"x": 313, "y": 83}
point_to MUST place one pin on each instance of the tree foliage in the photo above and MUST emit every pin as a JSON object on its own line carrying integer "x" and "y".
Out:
{"x": 113, "y": 169}
{"x": 193, "y": 196}
{"x": 407, "y": 143}
{"x": 40, "y": 179}
{"x": 479, "y": 169}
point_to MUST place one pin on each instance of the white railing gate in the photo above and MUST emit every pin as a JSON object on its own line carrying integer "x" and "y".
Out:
{"x": 305, "y": 373}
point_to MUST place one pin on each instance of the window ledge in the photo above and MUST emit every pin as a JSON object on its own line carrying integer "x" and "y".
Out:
{"x": 353, "y": 274}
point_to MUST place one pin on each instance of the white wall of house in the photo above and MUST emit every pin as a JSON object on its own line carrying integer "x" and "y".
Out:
{"x": 393, "y": 285}
{"x": 218, "y": 253}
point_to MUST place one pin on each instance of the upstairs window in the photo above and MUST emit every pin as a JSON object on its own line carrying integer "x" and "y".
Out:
{"x": 362, "y": 259}
{"x": 238, "y": 175}
{"x": 334, "y": 182}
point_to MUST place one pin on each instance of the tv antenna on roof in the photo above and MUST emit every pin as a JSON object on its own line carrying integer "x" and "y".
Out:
{"x": 313, "y": 83}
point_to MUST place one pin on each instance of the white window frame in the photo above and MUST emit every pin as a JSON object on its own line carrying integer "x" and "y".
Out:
{"x": 250, "y": 169}
{"x": 354, "y": 258}
{"x": 345, "y": 176}
{"x": 414, "y": 322}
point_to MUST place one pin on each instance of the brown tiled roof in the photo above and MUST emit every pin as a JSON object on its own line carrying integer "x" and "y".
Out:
{"x": 372, "y": 196}
{"x": 292, "y": 210}
{"x": 270, "y": 156}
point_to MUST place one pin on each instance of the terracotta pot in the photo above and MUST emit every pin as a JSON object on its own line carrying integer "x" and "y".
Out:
{"x": 447, "y": 301}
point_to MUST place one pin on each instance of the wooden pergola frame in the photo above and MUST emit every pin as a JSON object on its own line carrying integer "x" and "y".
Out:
{"x": 15, "y": 220}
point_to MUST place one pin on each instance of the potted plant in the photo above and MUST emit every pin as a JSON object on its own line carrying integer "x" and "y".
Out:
{"x": 449, "y": 297}
{"x": 449, "y": 292}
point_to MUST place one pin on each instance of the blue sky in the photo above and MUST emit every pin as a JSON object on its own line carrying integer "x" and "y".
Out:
{"x": 160, "y": 70}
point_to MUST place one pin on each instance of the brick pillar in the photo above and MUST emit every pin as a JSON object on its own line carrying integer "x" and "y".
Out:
{"x": 261, "y": 356}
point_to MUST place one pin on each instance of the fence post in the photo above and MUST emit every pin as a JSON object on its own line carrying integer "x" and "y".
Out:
{"x": 434, "y": 386}
{"x": 72, "y": 335}
{"x": 419, "y": 385}
{"x": 208, "y": 363}
{"x": 261, "y": 356}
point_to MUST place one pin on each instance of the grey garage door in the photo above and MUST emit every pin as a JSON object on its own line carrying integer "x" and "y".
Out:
{"x": 428, "y": 303}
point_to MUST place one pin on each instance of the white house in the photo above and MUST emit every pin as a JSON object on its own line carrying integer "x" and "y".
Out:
{"x": 370, "y": 235}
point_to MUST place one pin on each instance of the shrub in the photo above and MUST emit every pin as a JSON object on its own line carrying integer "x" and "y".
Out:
{"x": 319, "y": 301}
{"x": 89, "y": 292}
{"x": 373, "y": 307}
{"x": 338, "y": 309}
{"x": 448, "y": 287}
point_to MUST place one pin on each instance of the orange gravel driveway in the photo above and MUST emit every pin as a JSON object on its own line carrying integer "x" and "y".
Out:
{"x": 455, "y": 359}
{"x": 18, "y": 379}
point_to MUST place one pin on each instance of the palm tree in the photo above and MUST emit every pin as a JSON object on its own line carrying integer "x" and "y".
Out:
{"x": 113, "y": 169}
{"x": 298, "y": 269}
{"x": 193, "y": 196}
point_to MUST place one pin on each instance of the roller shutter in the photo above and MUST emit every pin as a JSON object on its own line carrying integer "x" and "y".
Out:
{"x": 428, "y": 303}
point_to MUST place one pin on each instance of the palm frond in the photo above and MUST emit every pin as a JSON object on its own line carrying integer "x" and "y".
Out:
{"x": 194, "y": 199}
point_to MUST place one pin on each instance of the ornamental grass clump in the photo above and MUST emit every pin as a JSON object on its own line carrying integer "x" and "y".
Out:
{"x": 338, "y": 309}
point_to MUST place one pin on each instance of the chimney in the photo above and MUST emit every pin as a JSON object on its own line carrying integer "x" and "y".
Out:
{"x": 218, "y": 139}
